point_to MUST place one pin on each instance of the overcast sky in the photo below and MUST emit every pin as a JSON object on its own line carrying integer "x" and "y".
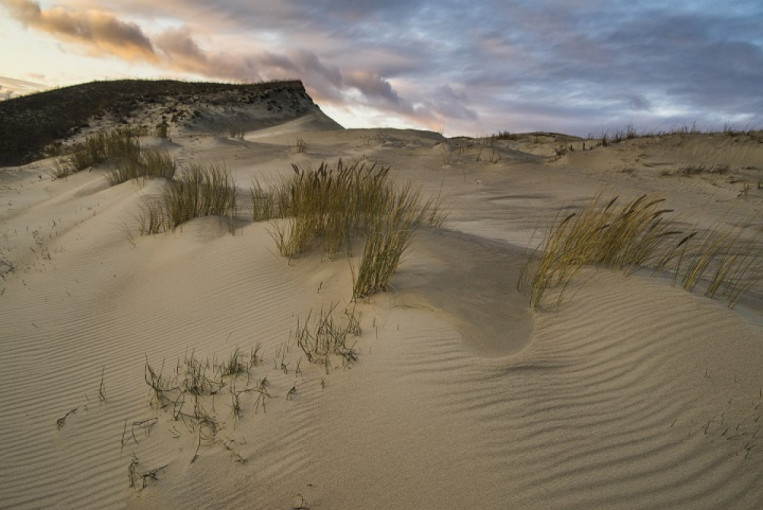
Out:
{"x": 464, "y": 68}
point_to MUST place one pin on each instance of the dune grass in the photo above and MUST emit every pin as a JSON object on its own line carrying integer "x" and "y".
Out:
{"x": 719, "y": 261}
{"x": 201, "y": 190}
{"x": 327, "y": 205}
{"x": 331, "y": 207}
{"x": 117, "y": 145}
{"x": 635, "y": 235}
{"x": 149, "y": 163}
{"x": 387, "y": 237}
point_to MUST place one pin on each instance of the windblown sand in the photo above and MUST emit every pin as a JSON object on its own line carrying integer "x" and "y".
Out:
{"x": 632, "y": 394}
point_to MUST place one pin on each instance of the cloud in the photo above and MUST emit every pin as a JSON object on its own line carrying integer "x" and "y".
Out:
{"x": 638, "y": 103}
{"x": 10, "y": 87}
{"x": 548, "y": 64}
{"x": 375, "y": 88}
{"x": 180, "y": 48}
{"x": 102, "y": 32}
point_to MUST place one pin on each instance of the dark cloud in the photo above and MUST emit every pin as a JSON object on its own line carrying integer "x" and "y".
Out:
{"x": 449, "y": 105}
{"x": 638, "y": 103}
{"x": 374, "y": 88}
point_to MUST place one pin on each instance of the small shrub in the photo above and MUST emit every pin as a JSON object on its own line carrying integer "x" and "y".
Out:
{"x": 162, "y": 130}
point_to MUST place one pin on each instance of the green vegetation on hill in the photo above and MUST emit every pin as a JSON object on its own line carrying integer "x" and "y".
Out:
{"x": 29, "y": 124}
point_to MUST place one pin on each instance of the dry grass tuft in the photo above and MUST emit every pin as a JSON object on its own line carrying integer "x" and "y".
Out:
{"x": 331, "y": 207}
{"x": 201, "y": 190}
{"x": 114, "y": 146}
{"x": 636, "y": 235}
{"x": 719, "y": 262}
{"x": 149, "y": 163}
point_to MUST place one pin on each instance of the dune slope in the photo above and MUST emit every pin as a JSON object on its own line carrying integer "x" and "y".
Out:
{"x": 632, "y": 394}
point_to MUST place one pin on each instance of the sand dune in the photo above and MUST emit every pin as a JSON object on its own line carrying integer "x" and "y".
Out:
{"x": 632, "y": 394}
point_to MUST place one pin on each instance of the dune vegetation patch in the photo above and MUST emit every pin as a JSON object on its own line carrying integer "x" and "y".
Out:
{"x": 331, "y": 207}
{"x": 637, "y": 235}
{"x": 322, "y": 338}
{"x": 202, "y": 401}
{"x": 149, "y": 163}
{"x": 187, "y": 395}
{"x": 120, "y": 150}
{"x": 114, "y": 146}
{"x": 201, "y": 190}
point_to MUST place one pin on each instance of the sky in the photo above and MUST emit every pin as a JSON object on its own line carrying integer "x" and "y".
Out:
{"x": 461, "y": 68}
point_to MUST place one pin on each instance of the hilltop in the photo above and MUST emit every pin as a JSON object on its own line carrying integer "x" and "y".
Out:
{"x": 32, "y": 123}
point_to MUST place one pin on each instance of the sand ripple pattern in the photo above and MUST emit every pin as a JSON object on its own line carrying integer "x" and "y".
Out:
{"x": 615, "y": 404}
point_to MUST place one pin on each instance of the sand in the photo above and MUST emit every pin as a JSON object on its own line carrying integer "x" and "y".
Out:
{"x": 632, "y": 394}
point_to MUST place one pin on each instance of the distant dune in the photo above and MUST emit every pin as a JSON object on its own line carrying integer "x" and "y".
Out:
{"x": 33, "y": 122}
{"x": 197, "y": 367}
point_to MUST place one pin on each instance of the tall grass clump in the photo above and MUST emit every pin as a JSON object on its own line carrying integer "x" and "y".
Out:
{"x": 150, "y": 163}
{"x": 117, "y": 145}
{"x": 610, "y": 235}
{"x": 332, "y": 206}
{"x": 387, "y": 238}
{"x": 201, "y": 190}
{"x": 720, "y": 263}
{"x": 638, "y": 234}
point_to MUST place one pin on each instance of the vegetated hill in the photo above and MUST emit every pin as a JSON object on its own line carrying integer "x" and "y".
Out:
{"x": 30, "y": 123}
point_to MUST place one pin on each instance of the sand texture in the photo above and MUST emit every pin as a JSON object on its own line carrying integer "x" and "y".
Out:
{"x": 632, "y": 394}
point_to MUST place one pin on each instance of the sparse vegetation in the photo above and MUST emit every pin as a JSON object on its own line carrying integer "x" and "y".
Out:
{"x": 192, "y": 392}
{"x": 630, "y": 133}
{"x": 188, "y": 395}
{"x": 139, "y": 477}
{"x": 322, "y": 339}
{"x": 632, "y": 236}
{"x": 506, "y": 135}
{"x": 720, "y": 169}
{"x": 201, "y": 190}
{"x": 236, "y": 131}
